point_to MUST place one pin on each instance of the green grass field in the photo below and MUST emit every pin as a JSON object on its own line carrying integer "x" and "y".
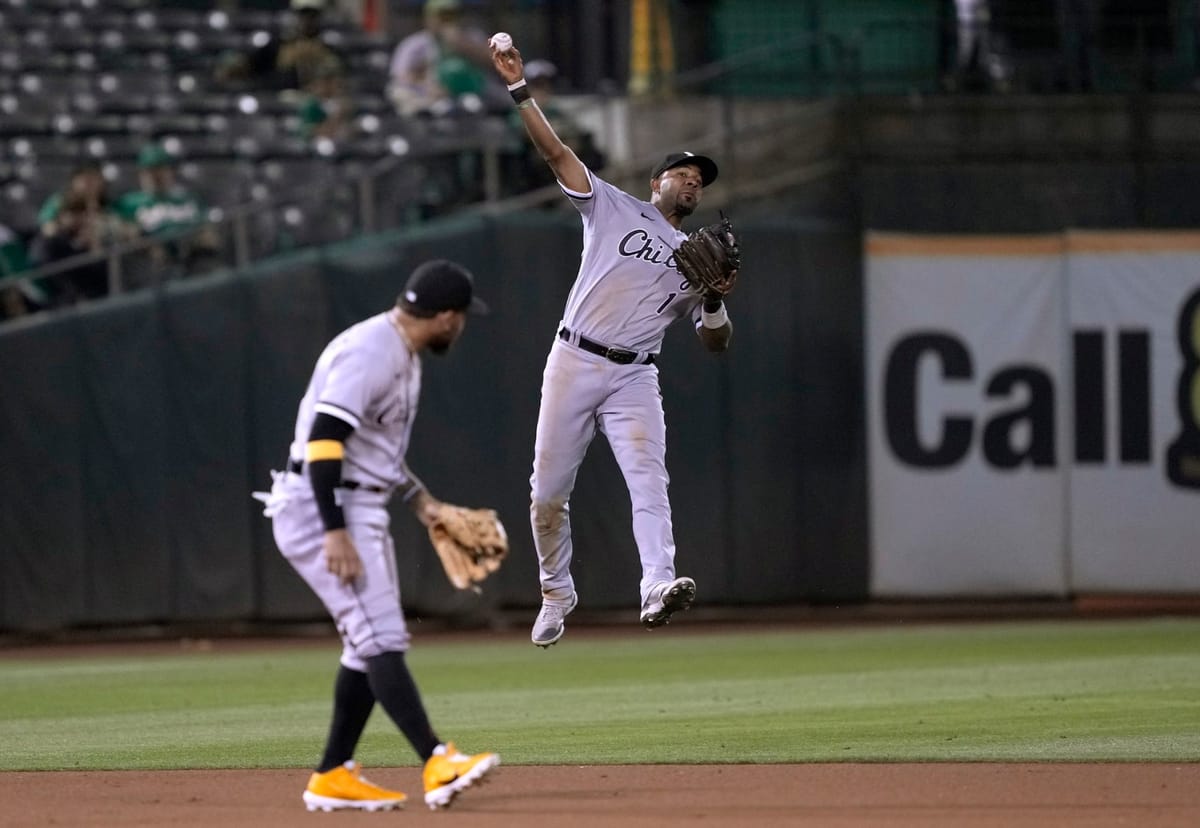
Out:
{"x": 1029, "y": 691}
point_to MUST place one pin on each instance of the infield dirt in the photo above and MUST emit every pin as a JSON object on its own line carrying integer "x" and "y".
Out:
{"x": 827, "y": 795}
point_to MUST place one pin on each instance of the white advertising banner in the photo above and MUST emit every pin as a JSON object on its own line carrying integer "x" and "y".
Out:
{"x": 1135, "y": 479}
{"x": 1034, "y": 414}
{"x": 964, "y": 393}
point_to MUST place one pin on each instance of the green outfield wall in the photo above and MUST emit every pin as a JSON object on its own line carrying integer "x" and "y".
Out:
{"x": 134, "y": 431}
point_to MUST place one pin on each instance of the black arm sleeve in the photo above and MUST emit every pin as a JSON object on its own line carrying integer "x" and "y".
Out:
{"x": 326, "y": 475}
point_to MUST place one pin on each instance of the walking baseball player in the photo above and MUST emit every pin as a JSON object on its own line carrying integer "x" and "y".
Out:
{"x": 330, "y": 521}
{"x": 600, "y": 373}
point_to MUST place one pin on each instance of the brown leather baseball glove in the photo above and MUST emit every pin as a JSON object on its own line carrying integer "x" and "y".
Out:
{"x": 471, "y": 544}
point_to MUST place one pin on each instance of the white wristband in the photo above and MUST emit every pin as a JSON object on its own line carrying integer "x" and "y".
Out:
{"x": 716, "y": 319}
{"x": 513, "y": 87}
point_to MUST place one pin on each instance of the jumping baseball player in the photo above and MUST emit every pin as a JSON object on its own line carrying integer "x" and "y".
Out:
{"x": 330, "y": 521}
{"x": 600, "y": 373}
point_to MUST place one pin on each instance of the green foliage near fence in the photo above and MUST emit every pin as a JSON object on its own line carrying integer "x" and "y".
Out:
{"x": 1034, "y": 691}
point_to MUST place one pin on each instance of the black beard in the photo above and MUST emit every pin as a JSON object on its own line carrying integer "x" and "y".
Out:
{"x": 439, "y": 346}
{"x": 684, "y": 210}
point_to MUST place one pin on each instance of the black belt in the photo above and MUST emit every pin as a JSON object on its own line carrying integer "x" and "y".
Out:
{"x": 296, "y": 467}
{"x": 617, "y": 355}
{"x": 354, "y": 484}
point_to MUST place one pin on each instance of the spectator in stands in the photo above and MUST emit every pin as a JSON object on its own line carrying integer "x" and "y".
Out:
{"x": 530, "y": 169}
{"x": 326, "y": 111}
{"x": 161, "y": 206}
{"x": 80, "y": 219}
{"x": 13, "y": 256}
{"x": 14, "y": 259}
{"x": 444, "y": 65}
{"x": 290, "y": 62}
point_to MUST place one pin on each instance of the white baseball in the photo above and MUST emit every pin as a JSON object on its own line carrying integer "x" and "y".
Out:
{"x": 501, "y": 41}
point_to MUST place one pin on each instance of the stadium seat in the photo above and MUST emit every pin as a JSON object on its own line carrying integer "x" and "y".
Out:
{"x": 147, "y": 40}
{"x": 186, "y": 125}
{"x": 70, "y": 38}
{"x": 206, "y": 103}
{"x": 134, "y": 82}
{"x": 82, "y": 124}
{"x": 118, "y": 145}
{"x": 123, "y": 103}
{"x": 27, "y": 58}
{"x": 170, "y": 19}
{"x": 218, "y": 182}
{"x": 32, "y": 147}
{"x": 18, "y": 123}
{"x": 288, "y": 176}
{"x": 19, "y": 209}
{"x": 249, "y": 20}
{"x": 57, "y": 85}
{"x": 105, "y": 19}
{"x": 198, "y": 146}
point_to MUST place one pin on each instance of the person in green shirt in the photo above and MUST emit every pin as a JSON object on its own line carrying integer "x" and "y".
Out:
{"x": 13, "y": 256}
{"x": 13, "y": 259}
{"x": 162, "y": 207}
{"x": 325, "y": 111}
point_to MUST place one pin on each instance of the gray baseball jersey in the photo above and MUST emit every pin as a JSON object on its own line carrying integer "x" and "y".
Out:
{"x": 628, "y": 291}
{"x": 368, "y": 377}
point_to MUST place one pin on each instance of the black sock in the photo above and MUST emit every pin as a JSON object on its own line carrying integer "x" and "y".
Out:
{"x": 395, "y": 690}
{"x": 352, "y": 705}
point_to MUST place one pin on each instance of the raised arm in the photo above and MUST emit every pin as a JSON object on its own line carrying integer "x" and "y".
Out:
{"x": 567, "y": 167}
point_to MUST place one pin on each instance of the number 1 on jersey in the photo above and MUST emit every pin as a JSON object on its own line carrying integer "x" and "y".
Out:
{"x": 666, "y": 302}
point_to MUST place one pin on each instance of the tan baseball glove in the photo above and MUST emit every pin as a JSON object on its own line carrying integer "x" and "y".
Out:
{"x": 471, "y": 543}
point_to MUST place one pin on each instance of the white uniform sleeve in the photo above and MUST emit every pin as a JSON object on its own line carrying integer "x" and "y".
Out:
{"x": 351, "y": 383}
{"x": 586, "y": 203}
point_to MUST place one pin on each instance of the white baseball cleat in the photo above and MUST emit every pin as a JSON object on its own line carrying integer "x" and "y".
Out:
{"x": 665, "y": 599}
{"x": 549, "y": 626}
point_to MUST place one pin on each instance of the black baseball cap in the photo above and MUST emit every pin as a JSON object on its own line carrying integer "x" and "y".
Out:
{"x": 438, "y": 285}
{"x": 708, "y": 167}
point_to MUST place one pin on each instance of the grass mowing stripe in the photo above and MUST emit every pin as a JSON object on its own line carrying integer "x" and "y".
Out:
{"x": 1126, "y": 690}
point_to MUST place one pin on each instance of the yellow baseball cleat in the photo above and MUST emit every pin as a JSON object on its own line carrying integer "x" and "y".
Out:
{"x": 345, "y": 787}
{"x": 449, "y": 772}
